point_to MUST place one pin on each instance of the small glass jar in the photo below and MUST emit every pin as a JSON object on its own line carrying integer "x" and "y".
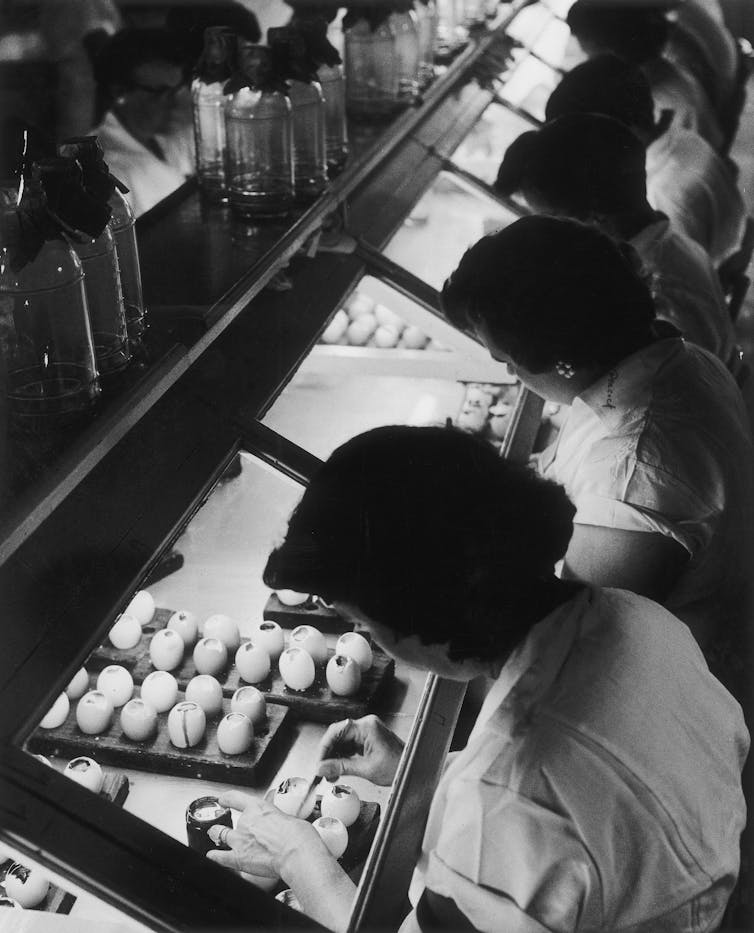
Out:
{"x": 50, "y": 373}
{"x": 333, "y": 84}
{"x": 451, "y": 31}
{"x": 309, "y": 144}
{"x": 427, "y": 20}
{"x": 259, "y": 133}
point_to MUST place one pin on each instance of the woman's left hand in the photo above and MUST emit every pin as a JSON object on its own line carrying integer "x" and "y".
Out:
{"x": 265, "y": 842}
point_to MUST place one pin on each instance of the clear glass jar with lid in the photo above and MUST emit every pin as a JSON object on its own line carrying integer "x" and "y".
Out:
{"x": 101, "y": 184}
{"x": 208, "y": 98}
{"x": 49, "y": 371}
{"x": 259, "y": 132}
{"x": 92, "y": 240}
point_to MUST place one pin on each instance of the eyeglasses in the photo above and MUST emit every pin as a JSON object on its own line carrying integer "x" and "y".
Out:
{"x": 158, "y": 90}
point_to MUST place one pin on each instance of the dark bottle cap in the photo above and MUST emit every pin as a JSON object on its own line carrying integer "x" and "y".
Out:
{"x": 217, "y": 61}
{"x": 63, "y": 183}
{"x": 255, "y": 69}
{"x": 97, "y": 178}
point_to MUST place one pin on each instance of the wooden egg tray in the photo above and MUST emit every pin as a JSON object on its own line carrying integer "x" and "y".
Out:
{"x": 312, "y": 612}
{"x": 317, "y": 704}
{"x": 204, "y": 761}
{"x": 58, "y": 901}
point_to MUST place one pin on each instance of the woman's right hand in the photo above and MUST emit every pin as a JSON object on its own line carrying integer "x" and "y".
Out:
{"x": 364, "y": 747}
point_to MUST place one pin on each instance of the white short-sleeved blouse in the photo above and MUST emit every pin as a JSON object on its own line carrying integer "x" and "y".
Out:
{"x": 600, "y": 788}
{"x": 662, "y": 444}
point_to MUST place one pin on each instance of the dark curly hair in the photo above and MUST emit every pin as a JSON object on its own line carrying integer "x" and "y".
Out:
{"x": 609, "y": 85}
{"x": 634, "y": 30}
{"x": 431, "y": 533}
{"x": 549, "y": 289}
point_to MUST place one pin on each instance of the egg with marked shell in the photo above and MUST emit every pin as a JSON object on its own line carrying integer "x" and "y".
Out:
{"x": 310, "y": 639}
{"x": 205, "y": 690}
{"x": 210, "y": 656}
{"x": 78, "y": 685}
{"x": 290, "y": 794}
{"x": 87, "y": 772}
{"x": 185, "y": 623}
{"x": 253, "y": 662}
{"x": 297, "y": 668}
{"x": 342, "y": 802}
{"x": 269, "y": 635}
{"x": 126, "y": 633}
{"x": 26, "y": 886}
{"x": 166, "y": 650}
{"x": 224, "y": 628}
{"x": 56, "y": 715}
{"x": 234, "y": 734}
{"x": 160, "y": 690}
{"x": 186, "y": 724}
{"x": 141, "y": 607}
{"x": 353, "y": 645}
{"x": 94, "y": 712}
{"x": 333, "y": 833}
{"x": 250, "y": 702}
{"x": 116, "y": 683}
{"x": 138, "y": 719}
{"x": 343, "y": 675}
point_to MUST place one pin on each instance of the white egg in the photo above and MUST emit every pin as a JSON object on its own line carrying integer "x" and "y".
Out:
{"x": 210, "y": 656}
{"x": 360, "y": 330}
{"x": 297, "y": 668}
{"x": 333, "y": 833}
{"x": 26, "y": 886}
{"x": 291, "y": 597}
{"x": 269, "y": 635}
{"x": 336, "y": 328}
{"x": 184, "y": 622}
{"x": 388, "y": 318}
{"x": 342, "y": 802}
{"x": 94, "y": 712}
{"x": 126, "y": 633}
{"x": 224, "y": 628}
{"x": 234, "y": 734}
{"x": 205, "y": 690}
{"x": 250, "y": 702}
{"x": 343, "y": 675}
{"x": 290, "y": 795}
{"x": 116, "y": 683}
{"x": 141, "y": 607}
{"x": 160, "y": 690}
{"x": 57, "y": 713}
{"x": 386, "y": 337}
{"x": 79, "y": 685}
{"x": 138, "y": 719}
{"x": 253, "y": 662}
{"x": 186, "y": 724}
{"x": 310, "y": 639}
{"x": 87, "y": 772}
{"x": 166, "y": 650}
{"x": 414, "y": 339}
{"x": 355, "y": 646}
{"x": 359, "y": 304}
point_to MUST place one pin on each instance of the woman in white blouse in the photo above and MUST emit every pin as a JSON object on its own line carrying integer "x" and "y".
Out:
{"x": 600, "y": 788}
{"x": 656, "y": 451}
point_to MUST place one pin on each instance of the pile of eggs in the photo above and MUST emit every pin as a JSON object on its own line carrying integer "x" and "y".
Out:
{"x": 362, "y": 322}
{"x": 486, "y": 409}
{"x": 340, "y": 807}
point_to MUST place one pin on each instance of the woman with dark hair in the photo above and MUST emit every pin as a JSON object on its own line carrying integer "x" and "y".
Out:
{"x": 444, "y": 553}
{"x": 656, "y": 451}
{"x": 639, "y": 32}
{"x": 146, "y": 130}
{"x": 686, "y": 178}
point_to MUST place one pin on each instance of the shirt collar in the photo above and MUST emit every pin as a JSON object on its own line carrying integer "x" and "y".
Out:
{"x": 628, "y": 385}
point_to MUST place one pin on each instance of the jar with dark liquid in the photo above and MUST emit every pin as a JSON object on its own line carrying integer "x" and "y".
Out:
{"x": 201, "y": 814}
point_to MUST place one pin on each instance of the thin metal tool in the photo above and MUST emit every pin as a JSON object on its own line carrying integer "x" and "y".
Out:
{"x": 307, "y": 801}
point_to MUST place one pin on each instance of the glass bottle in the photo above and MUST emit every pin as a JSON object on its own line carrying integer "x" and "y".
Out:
{"x": 474, "y": 13}
{"x": 259, "y": 132}
{"x": 451, "y": 32}
{"x": 333, "y": 84}
{"x": 50, "y": 374}
{"x": 93, "y": 243}
{"x": 426, "y": 16}
{"x": 208, "y": 97}
{"x": 406, "y": 29}
{"x": 381, "y": 64}
{"x": 100, "y": 183}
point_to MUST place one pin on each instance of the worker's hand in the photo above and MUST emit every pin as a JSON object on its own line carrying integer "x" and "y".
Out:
{"x": 265, "y": 842}
{"x": 363, "y": 747}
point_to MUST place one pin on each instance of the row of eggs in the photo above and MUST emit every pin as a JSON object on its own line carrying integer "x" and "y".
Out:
{"x": 340, "y": 807}
{"x": 187, "y": 720}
